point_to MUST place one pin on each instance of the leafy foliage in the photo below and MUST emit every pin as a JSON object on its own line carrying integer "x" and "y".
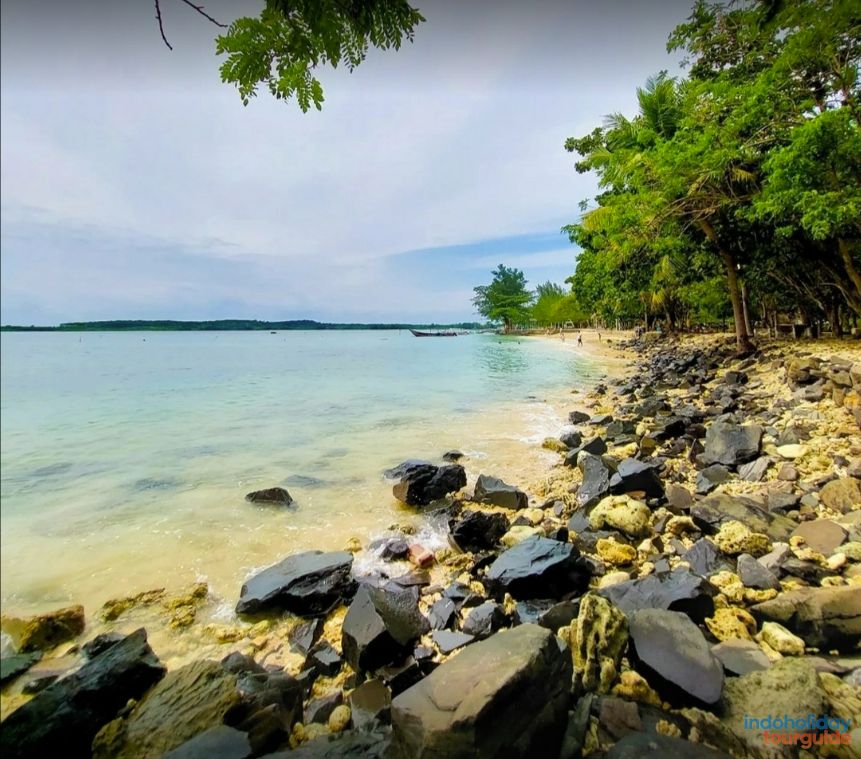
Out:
{"x": 505, "y": 299}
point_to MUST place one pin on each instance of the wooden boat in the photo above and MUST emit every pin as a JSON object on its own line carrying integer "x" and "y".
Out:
{"x": 433, "y": 334}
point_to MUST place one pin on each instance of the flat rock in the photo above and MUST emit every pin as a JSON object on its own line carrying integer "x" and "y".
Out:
{"x": 710, "y": 513}
{"x": 406, "y": 468}
{"x": 44, "y": 631}
{"x": 308, "y": 583}
{"x": 670, "y": 651}
{"x": 755, "y": 575}
{"x": 536, "y": 568}
{"x": 821, "y": 535}
{"x": 705, "y": 558}
{"x": 680, "y": 590}
{"x": 447, "y": 640}
{"x": 824, "y": 618}
{"x": 380, "y": 627}
{"x": 596, "y": 479}
{"x": 64, "y": 718}
{"x": 494, "y": 491}
{"x": 484, "y": 620}
{"x": 477, "y": 530}
{"x": 220, "y": 742}
{"x": 658, "y": 746}
{"x": 754, "y": 470}
{"x": 843, "y": 494}
{"x": 731, "y": 444}
{"x": 740, "y": 657}
{"x": 505, "y": 696}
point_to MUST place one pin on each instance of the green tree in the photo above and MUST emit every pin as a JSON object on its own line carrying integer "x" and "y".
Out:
{"x": 291, "y": 39}
{"x": 505, "y": 299}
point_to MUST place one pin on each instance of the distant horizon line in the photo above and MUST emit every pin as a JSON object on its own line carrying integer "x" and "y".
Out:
{"x": 244, "y": 325}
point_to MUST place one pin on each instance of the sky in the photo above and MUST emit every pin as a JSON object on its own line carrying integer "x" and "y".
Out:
{"x": 135, "y": 185}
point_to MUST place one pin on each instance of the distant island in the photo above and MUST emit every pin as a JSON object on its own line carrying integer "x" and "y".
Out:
{"x": 167, "y": 325}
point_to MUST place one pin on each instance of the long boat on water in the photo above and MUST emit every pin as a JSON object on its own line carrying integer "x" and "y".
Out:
{"x": 433, "y": 334}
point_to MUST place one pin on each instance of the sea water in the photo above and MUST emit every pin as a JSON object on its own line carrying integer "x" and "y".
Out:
{"x": 126, "y": 456}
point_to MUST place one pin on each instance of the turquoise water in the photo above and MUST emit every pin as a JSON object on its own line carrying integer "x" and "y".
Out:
{"x": 126, "y": 457}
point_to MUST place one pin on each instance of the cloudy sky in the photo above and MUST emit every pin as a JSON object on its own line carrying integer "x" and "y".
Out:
{"x": 136, "y": 185}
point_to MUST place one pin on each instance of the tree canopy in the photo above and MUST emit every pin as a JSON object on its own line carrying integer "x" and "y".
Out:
{"x": 505, "y": 299}
{"x": 737, "y": 185}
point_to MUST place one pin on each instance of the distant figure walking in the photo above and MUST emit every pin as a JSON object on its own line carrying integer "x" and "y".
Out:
{"x": 599, "y": 337}
{"x": 579, "y": 339}
{"x": 563, "y": 335}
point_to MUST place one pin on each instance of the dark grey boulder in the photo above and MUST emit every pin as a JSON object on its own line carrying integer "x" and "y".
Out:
{"x": 710, "y": 513}
{"x": 477, "y": 530}
{"x": 304, "y": 636}
{"x": 546, "y": 612}
{"x": 731, "y": 444}
{"x": 64, "y": 718}
{"x": 504, "y": 696}
{"x": 596, "y": 479}
{"x": 324, "y": 660}
{"x": 536, "y": 568}
{"x": 494, "y": 491}
{"x": 101, "y": 643}
{"x": 633, "y": 475}
{"x": 596, "y": 446}
{"x": 705, "y": 558}
{"x": 441, "y": 614}
{"x": 669, "y": 650}
{"x": 452, "y": 456}
{"x": 825, "y": 618}
{"x": 483, "y": 621}
{"x": 380, "y": 626}
{"x": 571, "y": 438}
{"x": 578, "y": 417}
{"x": 308, "y": 583}
{"x": 658, "y": 746}
{"x": 425, "y": 484}
{"x": 319, "y": 709}
{"x": 680, "y": 590}
{"x": 277, "y": 496}
{"x": 17, "y": 664}
{"x": 739, "y": 657}
{"x": 754, "y": 470}
{"x": 221, "y": 742}
{"x": 755, "y": 575}
{"x": 710, "y": 477}
{"x": 406, "y": 468}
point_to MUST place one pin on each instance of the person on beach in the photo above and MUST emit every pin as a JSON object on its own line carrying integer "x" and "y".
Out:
{"x": 580, "y": 339}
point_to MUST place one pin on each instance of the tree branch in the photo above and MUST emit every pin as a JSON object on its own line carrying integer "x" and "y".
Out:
{"x": 199, "y": 9}
{"x": 160, "y": 25}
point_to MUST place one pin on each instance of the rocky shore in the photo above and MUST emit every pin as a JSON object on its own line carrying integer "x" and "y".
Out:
{"x": 691, "y": 563}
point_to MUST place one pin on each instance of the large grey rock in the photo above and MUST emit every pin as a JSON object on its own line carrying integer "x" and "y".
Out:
{"x": 843, "y": 494}
{"x": 380, "y": 626}
{"x": 221, "y": 742}
{"x": 424, "y": 484}
{"x": 825, "y": 618}
{"x": 657, "y": 746}
{"x": 633, "y": 475}
{"x": 732, "y": 444}
{"x": 740, "y": 657}
{"x": 538, "y": 568}
{"x": 821, "y": 535}
{"x": 278, "y": 496}
{"x": 477, "y": 530}
{"x": 755, "y": 575}
{"x": 494, "y": 491}
{"x": 17, "y": 664}
{"x": 710, "y": 513}
{"x": 505, "y": 696}
{"x": 705, "y": 558}
{"x": 680, "y": 590}
{"x": 596, "y": 479}
{"x": 670, "y": 651}
{"x": 64, "y": 718}
{"x": 306, "y": 583}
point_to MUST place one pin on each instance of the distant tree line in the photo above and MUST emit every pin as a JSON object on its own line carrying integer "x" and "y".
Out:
{"x": 167, "y": 325}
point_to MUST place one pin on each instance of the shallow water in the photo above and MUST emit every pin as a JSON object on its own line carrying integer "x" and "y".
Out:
{"x": 126, "y": 457}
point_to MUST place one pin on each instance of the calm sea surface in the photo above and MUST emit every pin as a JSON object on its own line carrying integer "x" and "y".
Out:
{"x": 126, "y": 457}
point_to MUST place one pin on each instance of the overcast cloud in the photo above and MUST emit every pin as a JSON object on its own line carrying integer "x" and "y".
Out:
{"x": 135, "y": 184}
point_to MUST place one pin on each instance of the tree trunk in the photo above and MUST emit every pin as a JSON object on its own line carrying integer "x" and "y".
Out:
{"x": 742, "y": 336}
{"x": 849, "y": 265}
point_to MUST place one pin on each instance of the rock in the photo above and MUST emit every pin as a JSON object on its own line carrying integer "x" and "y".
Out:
{"x": 622, "y": 513}
{"x": 320, "y": 709}
{"x": 710, "y": 513}
{"x": 546, "y": 612}
{"x": 731, "y": 622}
{"x": 441, "y": 614}
{"x": 740, "y": 657}
{"x": 639, "y": 745}
{"x": 633, "y": 475}
{"x": 452, "y": 456}
{"x": 537, "y": 568}
{"x": 520, "y": 533}
{"x": 44, "y": 631}
{"x": 781, "y": 640}
{"x": 787, "y": 473}
{"x": 596, "y": 479}
{"x": 306, "y": 583}
{"x": 270, "y": 495}
{"x": 731, "y": 444}
{"x": 507, "y": 695}
{"x": 420, "y": 556}
{"x": 734, "y": 538}
{"x": 821, "y": 535}
{"x": 498, "y": 493}
{"x": 188, "y": 701}
{"x": 615, "y": 553}
{"x": 679, "y": 590}
{"x": 843, "y": 494}
{"x": 755, "y": 575}
{"x": 477, "y": 530}
{"x": 755, "y": 470}
{"x": 371, "y": 703}
{"x": 339, "y": 719}
{"x": 304, "y": 636}
{"x": 447, "y": 641}
{"x": 710, "y": 477}
{"x": 596, "y": 446}
{"x": 552, "y": 444}
{"x": 64, "y": 718}
{"x": 825, "y": 618}
{"x": 791, "y": 451}
{"x": 669, "y": 650}
{"x": 578, "y": 417}
{"x": 16, "y": 665}
{"x": 380, "y": 627}
{"x": 571, "y": 438}
{"x": 679, "y": 498}
{"x": 484, "y": 620}
{"x": 324, "y": 660}
{"x": 705, "y": 559}
{"x": 424, "y": 484}
{"x": 101, "y": 643}
{"x": 221, "y": 742}
{"x": 598, "y": 643}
